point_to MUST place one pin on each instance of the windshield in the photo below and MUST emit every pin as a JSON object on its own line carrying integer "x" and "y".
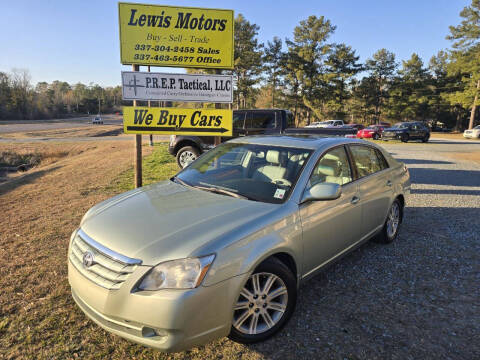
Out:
{"x": 256, "y": 172}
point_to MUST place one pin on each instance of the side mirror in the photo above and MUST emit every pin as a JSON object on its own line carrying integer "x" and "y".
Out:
{"x": 322, "y": 191}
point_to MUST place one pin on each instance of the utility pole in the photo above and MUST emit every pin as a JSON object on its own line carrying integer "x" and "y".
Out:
{"x": 138, "y": 147}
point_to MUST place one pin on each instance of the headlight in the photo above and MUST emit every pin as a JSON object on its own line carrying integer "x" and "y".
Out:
{"x": 177, "y": 274}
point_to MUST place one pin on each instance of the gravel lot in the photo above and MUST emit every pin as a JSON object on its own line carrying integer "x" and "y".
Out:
{"x": 417, "y": 298}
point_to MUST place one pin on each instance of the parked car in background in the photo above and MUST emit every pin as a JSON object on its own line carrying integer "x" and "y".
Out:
{"x": 473, "y": 133}
{"x": 223, "y": 247}
{"x": 97, "y": 120}
{"x": 328, "y": 123}
{"x": 356, "y": 126}
{"x": 371, "y": 132}
{"x": 406, "y": 131}
{"x": 249, "y": 122}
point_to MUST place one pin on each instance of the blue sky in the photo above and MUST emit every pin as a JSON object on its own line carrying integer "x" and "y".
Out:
{"x": 78, "y": 40}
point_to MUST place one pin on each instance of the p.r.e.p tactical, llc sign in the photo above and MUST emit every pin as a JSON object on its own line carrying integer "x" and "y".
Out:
{"x": 176, "y": 36}
{"x": 177, "y": 87}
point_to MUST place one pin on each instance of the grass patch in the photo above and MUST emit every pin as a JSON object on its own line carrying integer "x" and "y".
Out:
{"x": 157, "y": 166}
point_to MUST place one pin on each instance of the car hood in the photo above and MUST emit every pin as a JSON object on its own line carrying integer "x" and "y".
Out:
{"x": 167, "y": 221}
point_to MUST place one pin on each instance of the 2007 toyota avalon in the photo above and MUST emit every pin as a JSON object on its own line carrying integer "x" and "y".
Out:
{"x": 222, "y": 247}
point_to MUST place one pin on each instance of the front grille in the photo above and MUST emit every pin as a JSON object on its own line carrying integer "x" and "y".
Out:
{"x": 106, "y": 271}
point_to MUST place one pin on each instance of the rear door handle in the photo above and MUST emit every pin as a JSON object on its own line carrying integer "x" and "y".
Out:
{"x": 355, "y": 200}
{"x": 389, "y": 183}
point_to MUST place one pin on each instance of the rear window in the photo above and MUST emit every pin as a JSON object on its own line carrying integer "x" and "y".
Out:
{"x": 261, "y": 120}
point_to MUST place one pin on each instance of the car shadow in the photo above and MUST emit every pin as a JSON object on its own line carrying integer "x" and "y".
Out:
{"x": 391, "y": 301}
{"x": 445, "y": 177}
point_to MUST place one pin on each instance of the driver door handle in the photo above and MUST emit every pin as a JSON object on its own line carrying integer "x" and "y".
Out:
{"x": 355, "y": 200}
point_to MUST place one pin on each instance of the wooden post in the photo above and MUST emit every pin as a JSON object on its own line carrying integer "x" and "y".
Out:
{"x": 138, "y": 147}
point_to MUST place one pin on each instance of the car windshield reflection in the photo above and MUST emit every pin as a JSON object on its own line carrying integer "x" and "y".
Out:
{"x": 255, "y": 172}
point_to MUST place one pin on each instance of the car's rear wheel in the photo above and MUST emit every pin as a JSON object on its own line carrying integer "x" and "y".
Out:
{"x": 404, "y": 138}
{"x": 265, "y": 303}
{"x": 392, "y": 224}
{"x": 187, "y": 155}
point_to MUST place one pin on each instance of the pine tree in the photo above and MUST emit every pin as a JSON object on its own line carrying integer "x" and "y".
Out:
{"x": 465, "y": 58}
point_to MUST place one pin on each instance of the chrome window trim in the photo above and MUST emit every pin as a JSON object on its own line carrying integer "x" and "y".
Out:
{"x": 106, "y": 251}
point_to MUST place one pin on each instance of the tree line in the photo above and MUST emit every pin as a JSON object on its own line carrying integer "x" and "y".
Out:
{"x": 20, "y": 100}
{"x": 318, "y": 79}
{"x": 313, "y": 77}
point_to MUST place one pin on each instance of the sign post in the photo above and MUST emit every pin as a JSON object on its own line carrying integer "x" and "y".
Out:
{"x": 138, "y": 147}
{"x": 183, "y": 37}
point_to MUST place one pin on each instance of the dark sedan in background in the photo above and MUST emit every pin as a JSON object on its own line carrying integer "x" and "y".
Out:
{"x": 406, "y": 131}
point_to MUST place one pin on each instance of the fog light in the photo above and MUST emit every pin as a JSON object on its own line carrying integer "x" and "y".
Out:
{"x": 148, "y": 332}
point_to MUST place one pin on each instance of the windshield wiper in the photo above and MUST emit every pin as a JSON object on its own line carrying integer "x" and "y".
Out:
{"x": 177, "y": 179}
{"x": 221, "y": 191}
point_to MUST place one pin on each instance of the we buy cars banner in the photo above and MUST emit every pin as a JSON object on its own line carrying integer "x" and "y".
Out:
{"x": 177, "y": 121}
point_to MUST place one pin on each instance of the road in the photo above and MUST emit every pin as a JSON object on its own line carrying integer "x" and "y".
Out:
{"x": 40, "y": 125}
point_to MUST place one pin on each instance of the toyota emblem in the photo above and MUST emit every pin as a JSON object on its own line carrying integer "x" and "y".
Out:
{"x": 88, "y": 259}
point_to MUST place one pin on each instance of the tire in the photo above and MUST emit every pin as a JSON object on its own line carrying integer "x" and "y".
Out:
{"x": 376, "y": 136}
{"x": 252, "y": 308}
{"x": 404, "y": 138}
{"x": 425, "y": 138}
{"x": 186, "y": 155}
{"x": 386, "y": 236}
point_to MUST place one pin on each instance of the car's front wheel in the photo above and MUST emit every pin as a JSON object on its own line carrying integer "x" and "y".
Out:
{"x": 425, "y": 138}
{"x": 265, "y": 303}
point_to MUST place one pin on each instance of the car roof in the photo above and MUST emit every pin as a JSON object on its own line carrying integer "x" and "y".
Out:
{"x": 297, "y": 141}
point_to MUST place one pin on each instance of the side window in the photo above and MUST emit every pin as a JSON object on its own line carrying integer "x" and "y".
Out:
{"x": 381, "y": 159}
{"x": 333, "y": 167}
{"x": 290, "y": 120}
{"x": 238, "y": 120}
{"x": 365, "y": 159}
{"x": 261, "y": 120}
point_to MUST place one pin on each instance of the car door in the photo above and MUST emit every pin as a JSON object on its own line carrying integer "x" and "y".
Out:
{"x": 329, "y": 227}
{"x": 416, "y": 131}
{"x": 374, "y": 185}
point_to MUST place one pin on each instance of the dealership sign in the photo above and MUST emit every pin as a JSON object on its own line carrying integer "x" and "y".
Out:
{"x": 176, "y": 87}
{"x": 176, "y": 121}
{"x": 161, "y": 35}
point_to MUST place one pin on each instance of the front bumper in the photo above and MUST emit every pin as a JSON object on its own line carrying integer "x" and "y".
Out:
{"x": 169, "y": 320}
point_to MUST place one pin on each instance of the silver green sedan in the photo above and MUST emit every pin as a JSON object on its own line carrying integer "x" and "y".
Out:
{"x": 221, "y": 248}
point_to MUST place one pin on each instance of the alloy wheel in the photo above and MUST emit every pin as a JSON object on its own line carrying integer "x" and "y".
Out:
{"x": 261, "y": 304}
{"x": 393, "y": 220}
{"x": 186, "y": 158}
